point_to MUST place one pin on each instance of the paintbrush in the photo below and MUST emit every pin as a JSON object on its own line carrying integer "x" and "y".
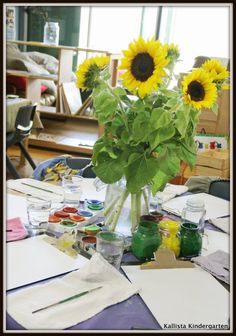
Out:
{"x": 29, "y": 185}
{"x": 67, "y": 299}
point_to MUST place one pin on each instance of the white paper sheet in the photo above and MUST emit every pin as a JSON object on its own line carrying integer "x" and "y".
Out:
{"x": 182, "y": 296}
{"x": 32, "y": 259}
{"x": 31, "y": 187}
{"x": 215, "y": 206}
{"x": 221, "y": 223}
{"x": 213, "y": 241}
{"x": 16, "y": 207}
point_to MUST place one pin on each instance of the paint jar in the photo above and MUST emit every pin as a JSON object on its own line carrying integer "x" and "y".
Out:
{"x": 190, "y": 240}
{"x": 169, "y": 235}
{"x": 145, "y": 240}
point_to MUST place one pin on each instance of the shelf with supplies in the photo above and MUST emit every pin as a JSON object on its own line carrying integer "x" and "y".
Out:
{"x": 68, "y": 105}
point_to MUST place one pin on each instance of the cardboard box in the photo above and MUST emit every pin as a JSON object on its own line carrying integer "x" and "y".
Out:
{"x": 218, "y": 159}
{"x": 211, "y": 163}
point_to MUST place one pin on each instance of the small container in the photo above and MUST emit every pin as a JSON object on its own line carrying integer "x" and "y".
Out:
{"x": 51, "y": 33}
{"x": 194, "y": 212}
{"x": 157, "y": 214}
{"x": 145, "y": 240}
{"x": 169, "y": 235}
{"x": 190, "y": 240}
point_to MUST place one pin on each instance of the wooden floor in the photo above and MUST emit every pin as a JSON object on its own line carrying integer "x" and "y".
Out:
{"x": 38, "y": 155}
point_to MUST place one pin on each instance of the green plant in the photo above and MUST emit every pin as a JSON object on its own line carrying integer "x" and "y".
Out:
{"x": 146, "y": 138}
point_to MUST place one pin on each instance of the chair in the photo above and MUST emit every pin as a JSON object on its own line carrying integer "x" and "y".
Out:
{"x": 23, "y": 126}
{"x": 220, "y": 188}
{"x": 81, "y": 163}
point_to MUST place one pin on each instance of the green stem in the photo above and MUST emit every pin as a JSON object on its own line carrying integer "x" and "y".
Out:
{"x": 109, "y": 220}
{"x": 133, "y": 212}
{"x": 124, "y": 195}
{"x": 176, "y": 107}
{"x": 110, "y": 206}
{"x": 145, "y": 196}
{"x": 138, "y": 205}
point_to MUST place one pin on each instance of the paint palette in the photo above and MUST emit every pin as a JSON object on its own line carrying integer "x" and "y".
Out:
{"x": 67, "y": 219}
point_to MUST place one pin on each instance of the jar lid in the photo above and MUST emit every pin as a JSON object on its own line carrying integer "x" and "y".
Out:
{"x": 169, "y": 225}
{"x": 195, "y": 202}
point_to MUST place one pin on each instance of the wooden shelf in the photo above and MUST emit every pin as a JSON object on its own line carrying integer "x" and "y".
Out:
{"x": 44, "y": 45}
{"x": 82, "y": 127}
{"x": 19, "y": 73}
{"x": 50, "y": 111}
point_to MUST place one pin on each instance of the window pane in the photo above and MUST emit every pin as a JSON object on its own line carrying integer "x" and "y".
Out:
{"x": 198, "y": 31}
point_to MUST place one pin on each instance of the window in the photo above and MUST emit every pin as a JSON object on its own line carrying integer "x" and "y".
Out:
{"x": 198, "y": 31}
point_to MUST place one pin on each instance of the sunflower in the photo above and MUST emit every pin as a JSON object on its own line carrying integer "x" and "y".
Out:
{"x": 173, "y": 52}
{"x": 198, "y": 89}
{"x": 216, "y": 70}
{"x": 144, "y": 63}
{"x": 88, "y": 72}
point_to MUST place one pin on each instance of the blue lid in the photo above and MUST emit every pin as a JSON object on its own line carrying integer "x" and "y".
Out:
{"x": 94, "y": 202}
{"x": 85, "y": 213}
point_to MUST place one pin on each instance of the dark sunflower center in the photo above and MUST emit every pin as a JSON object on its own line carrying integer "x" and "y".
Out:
{"x": 142, "y": 67}
{"x": 196, "y": 91}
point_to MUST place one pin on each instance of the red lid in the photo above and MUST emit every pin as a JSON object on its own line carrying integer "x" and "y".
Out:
{"x": 89, "y": 239}
{"x": 53, "y": 219}
{"x": 77, "y": 218}
{"x": 70, "y": 209}
{"x": 61, "y": 214}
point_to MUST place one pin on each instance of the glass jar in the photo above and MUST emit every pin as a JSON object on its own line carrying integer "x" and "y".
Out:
{"x": 51, "y": 33}
{"x": 145, "y": 240}
{"x": 194, "y": 212}
{"x": 169, "y": 235}
{"x": 190, "y": 240}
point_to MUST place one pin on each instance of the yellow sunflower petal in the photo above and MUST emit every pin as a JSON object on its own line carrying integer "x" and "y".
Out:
{"x": 198, "y": 89}
{"x": 144, "y": 63}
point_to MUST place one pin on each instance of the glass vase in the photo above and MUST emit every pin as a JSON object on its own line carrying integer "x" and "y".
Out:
{"x": 123, "y": 209}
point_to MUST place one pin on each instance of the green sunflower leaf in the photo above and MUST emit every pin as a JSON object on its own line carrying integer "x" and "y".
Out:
{"x": 119, "y": 91}
{"x": 144, "y": 168}
{"x": 215, "y": 108}
{"x": 108, "y": 169}
{"x": 160, "y": 135}
{"x": 105, "y": 103}
{"x": 182, "y": 120}
{"x": 140, "y": 124}
{"x": 159, "y": 118}
{"x": 159, "y": 181}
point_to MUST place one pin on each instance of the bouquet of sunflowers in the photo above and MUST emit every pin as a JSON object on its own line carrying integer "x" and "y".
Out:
{"x": 145, "y": 139}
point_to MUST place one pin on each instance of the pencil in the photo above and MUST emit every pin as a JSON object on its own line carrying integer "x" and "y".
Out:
{"x": 67, "y": 299}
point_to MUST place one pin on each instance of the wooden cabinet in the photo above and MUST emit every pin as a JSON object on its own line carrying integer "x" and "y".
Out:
{"x": 88, "y": 128}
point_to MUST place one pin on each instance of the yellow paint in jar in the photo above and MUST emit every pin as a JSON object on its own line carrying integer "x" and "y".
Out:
{"x": 168, "y": 231}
